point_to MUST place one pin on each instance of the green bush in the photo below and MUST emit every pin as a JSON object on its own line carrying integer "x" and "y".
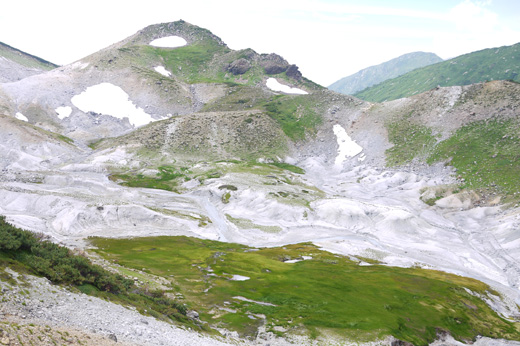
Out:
{"x": 61, "y": 266}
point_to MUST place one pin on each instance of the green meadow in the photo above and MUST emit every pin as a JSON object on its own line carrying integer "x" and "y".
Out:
{"x": 327, "y": 294}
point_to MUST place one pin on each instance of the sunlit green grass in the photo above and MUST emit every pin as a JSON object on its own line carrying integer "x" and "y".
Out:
{"x": 486, "y": 154}
{"x": 295, "y": 114}
{"x": 326, "y": 293}
{"x": 409, "y": 141}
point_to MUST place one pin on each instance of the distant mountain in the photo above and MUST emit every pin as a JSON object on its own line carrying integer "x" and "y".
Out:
{"x": 376, "y": 74}
{"x": 501, "y": 63}
{"x": 16, "y": 64}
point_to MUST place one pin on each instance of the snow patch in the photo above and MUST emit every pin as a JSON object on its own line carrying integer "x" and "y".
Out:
{"x": 108, "y": 99}
{"x": 347, "y": 146}
{"x": 162, "y": 71}
{"x": 20, "y": 116}
{"x": 169, "y": 42}
{"x": 79, "y": 65}
{"x": 237, "y": 277}
{"x": 302, "y": 258}
{"x": 244, "y": 299}
{"x": 274, "y": 85}
{"x": 63, "y": 112}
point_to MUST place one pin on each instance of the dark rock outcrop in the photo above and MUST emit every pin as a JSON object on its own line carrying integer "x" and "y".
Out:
{"x": 239, "y": 66}
{"x": 273, "y": 63}
{"x": 294, "y": 73}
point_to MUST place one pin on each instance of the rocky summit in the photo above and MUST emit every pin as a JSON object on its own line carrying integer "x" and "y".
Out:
{"x": 223, "y": 198}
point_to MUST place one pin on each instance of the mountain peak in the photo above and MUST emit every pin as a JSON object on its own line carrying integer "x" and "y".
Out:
{"x": 191, "y": 33}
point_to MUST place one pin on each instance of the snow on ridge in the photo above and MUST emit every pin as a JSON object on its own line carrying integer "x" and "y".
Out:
{"x": 169, "y": 42}
{"x": 347, "y": 146}
{"x": 162, "y": 70}
{"x": 108, "y": 99}
{"x": 20, "y": 116}
{"x": 79, "y": 65}
{"x": 63, "y": 112}
{"x": 274, "y": 85}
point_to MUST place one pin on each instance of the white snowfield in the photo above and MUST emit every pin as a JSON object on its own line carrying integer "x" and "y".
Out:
{"x": 274, "y": 85}
{"x": 63, "y": 112}
{"x": 163, "y": 71}
{"x": 347, "y": 146}
{"x": 20, "y": 116}
{"x": 108, "y": 99}
{"x": 169, "y": 42}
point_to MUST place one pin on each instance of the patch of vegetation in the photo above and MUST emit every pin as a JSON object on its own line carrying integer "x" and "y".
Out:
{"x": 191, "y": 61}
{"x": 289, "y": 167}
{"x": 25, "y": 59}
{"x": 28, "y": 252}
{"x": 66, "y": 139}
{"x": 202, "y": 219}
{"x": 294, "y": 114}
{"x": 167, "y": 178}
{"x": 409, "y": 140}
{"x": 248, "y": 224}
{"x": 486, "y": 155}
{"x": 238, "y": 97}
{"x": 489, "y": 64}
{"x": 228, "y": 187}
{"x": 326, "y": 293}
{"x": 225, "y": 197}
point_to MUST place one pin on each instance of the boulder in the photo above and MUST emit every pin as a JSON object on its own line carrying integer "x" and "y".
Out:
{"x": 294, "y": 73}
{"x": 273, "y": 63}
{"x": 239, "y": 66}
{"x": 192, "y": 314}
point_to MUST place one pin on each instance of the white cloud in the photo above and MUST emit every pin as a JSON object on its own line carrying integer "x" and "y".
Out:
{"x": 472, "y": 26}
{"x": 473, "y": 17}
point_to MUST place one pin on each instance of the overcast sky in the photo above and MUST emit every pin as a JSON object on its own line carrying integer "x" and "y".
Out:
{"x": 327, "y": 39}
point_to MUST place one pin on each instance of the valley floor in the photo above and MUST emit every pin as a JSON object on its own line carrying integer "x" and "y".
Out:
{"x": 365, "y": 212}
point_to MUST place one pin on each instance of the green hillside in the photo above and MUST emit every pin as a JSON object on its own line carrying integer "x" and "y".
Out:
{"x": 326, "y": 294}
{"x": 501, "y": 63}
{"x": 24, "y": 59}
{"x": 376, "y": 74}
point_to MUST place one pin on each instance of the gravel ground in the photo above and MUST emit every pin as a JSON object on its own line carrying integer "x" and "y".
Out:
{"x": 91, "y": 320}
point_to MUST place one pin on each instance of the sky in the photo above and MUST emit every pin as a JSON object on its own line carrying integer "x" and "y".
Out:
{"x": 327, "y": 39}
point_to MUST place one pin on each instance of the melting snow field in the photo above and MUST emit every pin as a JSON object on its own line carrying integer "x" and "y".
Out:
{"x": 347, "y": 147}
{"x": 274, "y": 85}
{"x": 108, "y": 99}
{"x": 237, "y": 277}
{"x": 162, "y": 70}
{"x": 20, "y": 116}
{"x": 63, "y": 112}
{"x": 169, "y": 42}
